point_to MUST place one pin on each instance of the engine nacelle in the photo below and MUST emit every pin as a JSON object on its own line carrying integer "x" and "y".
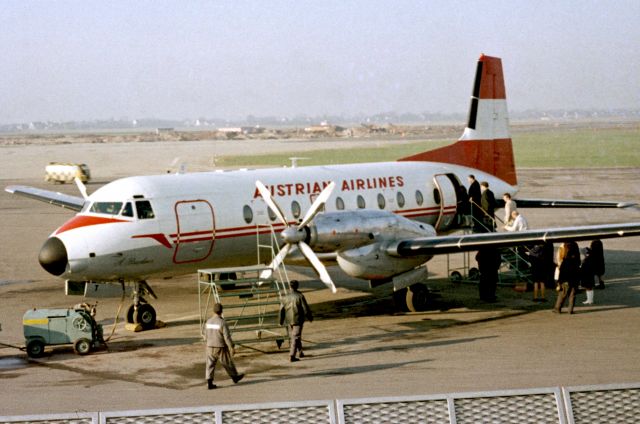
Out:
{"x": 360, "y": 239}
{"x": 372, "y": 262}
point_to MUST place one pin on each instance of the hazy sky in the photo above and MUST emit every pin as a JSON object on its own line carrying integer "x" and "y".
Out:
{"x": 75, "y": 60}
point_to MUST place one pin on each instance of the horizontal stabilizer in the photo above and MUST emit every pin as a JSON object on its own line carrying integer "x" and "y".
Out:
{"x": 66, "y": 201}
{"x": 427, "y": 246}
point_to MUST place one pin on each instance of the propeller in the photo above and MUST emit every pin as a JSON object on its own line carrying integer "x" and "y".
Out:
{"x": 295, "y": 234}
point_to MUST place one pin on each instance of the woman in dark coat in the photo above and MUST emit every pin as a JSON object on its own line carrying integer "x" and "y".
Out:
{"x": 597, "y": 255}
{"x": 542, "y": 267}
{"x": 569, "y": 276}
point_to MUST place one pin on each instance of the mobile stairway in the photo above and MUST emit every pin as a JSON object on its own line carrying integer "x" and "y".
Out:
{"x": 515, "y": 267}
{"x": 251, "y": 304}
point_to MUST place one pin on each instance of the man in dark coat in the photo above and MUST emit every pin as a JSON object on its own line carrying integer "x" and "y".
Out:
{"x": 295, "y": 311}
{"x": 474, "y": 202}
{"x": 488, "y": 204}
{"x": 488, "y": 259}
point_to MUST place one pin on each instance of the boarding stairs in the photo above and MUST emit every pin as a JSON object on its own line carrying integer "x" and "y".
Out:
{"x": 515, "y": 268}
{"x": 251, "y": 303}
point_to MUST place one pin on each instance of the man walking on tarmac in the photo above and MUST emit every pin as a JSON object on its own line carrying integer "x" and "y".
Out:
{"x": 219, "y": 347}
{"x": 295, "y": 311}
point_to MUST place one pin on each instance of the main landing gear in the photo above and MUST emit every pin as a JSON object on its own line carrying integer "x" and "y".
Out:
{"x": 141, "y": 312}
{"x": 414, "y": 298}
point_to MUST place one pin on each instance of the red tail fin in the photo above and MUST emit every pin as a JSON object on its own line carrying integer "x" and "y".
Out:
{"x": 485, "y": 144}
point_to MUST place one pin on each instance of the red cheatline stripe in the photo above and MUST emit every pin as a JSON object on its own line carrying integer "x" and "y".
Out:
{"x": 80, "y": 221}
{"x": 160, "y": 238}
{"x": 194, "y": 233}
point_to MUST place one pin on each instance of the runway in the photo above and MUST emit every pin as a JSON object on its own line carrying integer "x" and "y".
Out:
{"x": 357, "y": 347}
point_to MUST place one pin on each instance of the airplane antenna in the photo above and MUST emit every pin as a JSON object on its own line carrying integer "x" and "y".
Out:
{"x": 294, "y": 161}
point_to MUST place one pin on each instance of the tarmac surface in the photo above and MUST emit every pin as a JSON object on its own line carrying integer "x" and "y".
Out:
{"x": 358, "y": 346}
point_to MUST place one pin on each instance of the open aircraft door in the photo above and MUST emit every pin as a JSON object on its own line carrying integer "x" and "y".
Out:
{"x": 445, "y": 195}
{"x": 195, "y": 224}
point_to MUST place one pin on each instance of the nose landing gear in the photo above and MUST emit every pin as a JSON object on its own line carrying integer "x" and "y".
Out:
{"x": 141, "y": 312}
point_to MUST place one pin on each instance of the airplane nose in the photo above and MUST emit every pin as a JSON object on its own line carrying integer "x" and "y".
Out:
{"x": 53, "y": 256}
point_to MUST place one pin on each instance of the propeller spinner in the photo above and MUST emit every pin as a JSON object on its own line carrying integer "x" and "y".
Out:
{"x": 296, "y": 234}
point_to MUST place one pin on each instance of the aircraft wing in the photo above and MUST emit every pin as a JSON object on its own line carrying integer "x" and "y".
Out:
{"x": 552, "y": 203}
{"x": 66, "y": 201}
{"x": 425, "y": 246}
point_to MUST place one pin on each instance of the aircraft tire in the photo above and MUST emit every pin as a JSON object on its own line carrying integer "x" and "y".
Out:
{"x": 130, "y": 312}
{"x": 146, "y": 316}
{"x": 82, "y": 346}
{"x": 400, "y": 300}
{"x": 417, "y": 297}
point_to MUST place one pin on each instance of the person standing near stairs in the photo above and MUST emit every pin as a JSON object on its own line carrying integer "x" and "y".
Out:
{"x": 294, "y": 312}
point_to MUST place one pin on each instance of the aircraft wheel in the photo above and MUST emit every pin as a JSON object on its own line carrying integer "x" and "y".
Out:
{"x": 456, "y": 277}
{"x": 417, "y": 297}
{"x": 146, "y": 316}
{"x": 35, "y": 348}
{"x": 400, "y": 299}
{"x": 82, "y": 346}
{"x": 130, "y": 313}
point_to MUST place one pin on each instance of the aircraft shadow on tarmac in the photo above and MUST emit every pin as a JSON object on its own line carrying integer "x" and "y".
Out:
{"x": 331, "y": 372}
{"x": 388, "y": 345}
{"x": 622, "y": 273}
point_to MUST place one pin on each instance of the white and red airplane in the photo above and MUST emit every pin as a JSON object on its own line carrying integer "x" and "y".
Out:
{"x": 378, "y": 221}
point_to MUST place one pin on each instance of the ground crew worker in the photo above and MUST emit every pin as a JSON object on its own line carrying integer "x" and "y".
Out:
{"x": 295, "y": 311}
{"x": 219, "y": 346}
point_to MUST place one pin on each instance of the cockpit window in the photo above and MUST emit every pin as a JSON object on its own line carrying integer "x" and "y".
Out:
{"x": 110, "y": 208}
{"x": 144, "y": 210}
{"x": 127, "y": 210}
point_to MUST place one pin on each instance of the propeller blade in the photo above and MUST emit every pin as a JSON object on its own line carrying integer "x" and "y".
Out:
{"x": 317, "y": 204}
{"x": 275, "y": 263}
{"x": 82, "y": 188}
{"x": 317, "y": 265}
{"x": 266, "y": 196}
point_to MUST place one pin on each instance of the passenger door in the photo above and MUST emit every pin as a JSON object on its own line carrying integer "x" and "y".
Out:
{"x": 195, "y": 231}
{"x": 448, "y": 201}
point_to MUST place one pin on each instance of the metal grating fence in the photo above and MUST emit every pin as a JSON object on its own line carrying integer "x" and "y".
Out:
{"x": 604, "y": 404}
{"x": 570, "y": 405}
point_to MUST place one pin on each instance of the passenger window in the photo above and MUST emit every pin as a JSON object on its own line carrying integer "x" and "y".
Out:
{"x": 361, "y": 202}
{"x": 436, "y": 196}
{"x": 127, "y": 210}
{"x": 295, "y": 209}
{"x": 339, "y": 203}
{"x": 400, "y": 199}
{"x": 110, "y": 208}
{"x": 381, "y": 201}
{"x": 144, "y": 210}
{"x": 419, "y": 198}
{"x": 247, "y": 214}
{"x": 272, "y": 215}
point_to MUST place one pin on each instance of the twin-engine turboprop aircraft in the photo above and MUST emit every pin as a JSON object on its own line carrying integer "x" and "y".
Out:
{"x": 379, "y": 221}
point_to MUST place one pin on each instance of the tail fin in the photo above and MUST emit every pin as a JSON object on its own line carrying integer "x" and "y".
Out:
{"x": 485, "y": 144}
